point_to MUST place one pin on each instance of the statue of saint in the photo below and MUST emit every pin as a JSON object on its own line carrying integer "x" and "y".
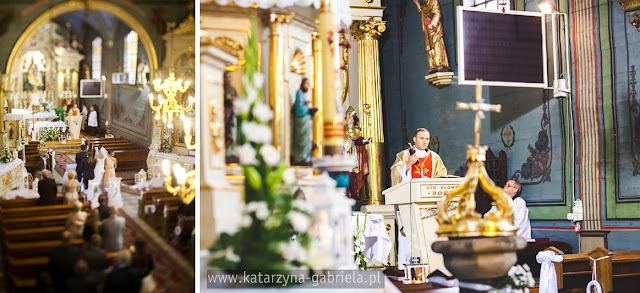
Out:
{"x": 301, "y": 143}
{"x": 33, "y": 76}
{"x": 433, "y": 34}
{"x": 230, "y": 95}
{"x": 354, "y": 144}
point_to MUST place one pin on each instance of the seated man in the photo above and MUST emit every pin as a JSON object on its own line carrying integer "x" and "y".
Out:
{"x": 519, "y": 207}
{"x": 421, "y": 164}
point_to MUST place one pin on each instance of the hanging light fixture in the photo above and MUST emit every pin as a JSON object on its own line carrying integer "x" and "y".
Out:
{"x": 170, "y": 87}
{"x": 169, "y": 107}
{"x": 186, "y": 181}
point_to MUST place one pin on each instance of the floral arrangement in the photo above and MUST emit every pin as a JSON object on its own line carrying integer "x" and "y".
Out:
{"x": 273, "y": 231}
{"x": 518, "y": 279}
{"x": 165, "y": 147}
{"x": 359, "y": 244}
{"x": 6, "y": 156}
{"x": 50, "y": 133}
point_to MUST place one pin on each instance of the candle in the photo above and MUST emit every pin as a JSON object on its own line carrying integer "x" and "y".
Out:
{"x": 330, "y": 66}
{"x": 187, "y": 125}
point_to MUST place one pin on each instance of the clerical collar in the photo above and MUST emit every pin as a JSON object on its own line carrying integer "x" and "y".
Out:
{"x": 422, "y": 154}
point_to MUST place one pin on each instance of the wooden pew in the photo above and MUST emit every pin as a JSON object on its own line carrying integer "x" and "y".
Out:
{"x": 169, "y": 221}
{"x": 39, "y": 248}
{"x": 40, "y": 211}
{"x": 131, "y": 160}
{"x": 31, "y": 234}
{"x": 23, "y": 272}
{"x": 37, "y": 221}
{"x": 157, "y": 218}
{"x": 22, "y": 202}
{"x": 620, "y": 272}
{"x": 147, "y": 199}
{"x": 182, "y": 234}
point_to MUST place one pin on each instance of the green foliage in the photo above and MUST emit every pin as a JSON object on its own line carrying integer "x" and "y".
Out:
{"x": 165, "y": 147}
{"x": 50, "y": 133}
{"x": 264, "y": 239}
{"x": 6, "y": 156}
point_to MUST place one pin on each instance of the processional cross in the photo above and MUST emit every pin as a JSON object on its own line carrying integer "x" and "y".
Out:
{"x": 479, "y": 107}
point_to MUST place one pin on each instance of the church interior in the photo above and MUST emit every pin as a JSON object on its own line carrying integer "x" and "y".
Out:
{"x": 97, "y": 96}
{"x": 335, "y": 104}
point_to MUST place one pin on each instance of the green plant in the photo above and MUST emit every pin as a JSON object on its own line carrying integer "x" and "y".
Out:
{"x": 6, "y": 156}
{"x": 271, "y": 215}
{"x": 165, "y": 147}
{"x": 518, "y": 279}
{"x": 359, "y": 244}
{"x": 50, "y": 133}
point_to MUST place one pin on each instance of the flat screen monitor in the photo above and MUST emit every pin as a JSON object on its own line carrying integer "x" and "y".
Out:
{"x": 91, "y": 88}
{"x": 502, "y": 49}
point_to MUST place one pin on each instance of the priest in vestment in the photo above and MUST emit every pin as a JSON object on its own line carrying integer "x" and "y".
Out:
{"x": 424, "y": 163}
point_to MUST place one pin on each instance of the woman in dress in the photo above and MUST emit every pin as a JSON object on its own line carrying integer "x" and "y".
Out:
{"x": 110, "y": 165}
{"x": 70, "y": 188}
{"x": 99, "y": 169}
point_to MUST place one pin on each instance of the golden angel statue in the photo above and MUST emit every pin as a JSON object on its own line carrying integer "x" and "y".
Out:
{"x": 433, "y": 34}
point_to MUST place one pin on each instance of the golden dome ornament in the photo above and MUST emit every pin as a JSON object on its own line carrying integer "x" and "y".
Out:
{"x": 466, "y": 222}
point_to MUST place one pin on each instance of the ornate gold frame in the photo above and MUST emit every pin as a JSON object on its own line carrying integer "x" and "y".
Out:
{"x": 73, "y": 5}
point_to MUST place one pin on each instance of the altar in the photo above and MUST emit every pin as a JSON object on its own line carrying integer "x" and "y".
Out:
{"x": 11, "y": 176}
{"x": 155, "y": 158}
{"x": 34, "y": 128}
{"x": 417, "y": 201}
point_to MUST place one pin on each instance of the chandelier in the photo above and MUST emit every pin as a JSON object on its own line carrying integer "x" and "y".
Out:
{"x": 186, "y": 181}
{"x": 168, "y": 107}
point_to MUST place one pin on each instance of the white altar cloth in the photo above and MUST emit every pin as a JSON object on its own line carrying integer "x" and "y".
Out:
{"x": 41, "y": 124}
{"x": 45, "y": 115}
{"x": 23, "y": 193}
{"x": 153, "y": 183}
{"x": 377, "y": 242}
{"x": 155, "y": 158}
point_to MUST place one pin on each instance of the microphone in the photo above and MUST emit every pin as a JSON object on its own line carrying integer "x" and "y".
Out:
{"x": 412, "y": 150}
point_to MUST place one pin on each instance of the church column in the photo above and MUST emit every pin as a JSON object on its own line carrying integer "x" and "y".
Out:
{"x": 370, "y": 103}
{"x": 317, "y": 94}
{"x": 108, "y": 70}
{"x": 277, "y": 101}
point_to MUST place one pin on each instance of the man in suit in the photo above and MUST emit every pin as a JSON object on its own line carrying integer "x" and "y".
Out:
{"x": 124, "y": 278}
{"x": 112, "y": 228}
{"x": 94, "y": 254}
{"x": 61, "y": 261}
{"x": 48, "y": 189}
{"x": 82, "y": 155}
{"x": 103, "y": 209}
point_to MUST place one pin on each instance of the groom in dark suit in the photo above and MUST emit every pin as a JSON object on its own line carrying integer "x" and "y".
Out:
{"x": 82, "y": 155}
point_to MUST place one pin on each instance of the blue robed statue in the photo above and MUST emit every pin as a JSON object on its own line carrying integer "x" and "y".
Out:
{"x": 301, "y": 142}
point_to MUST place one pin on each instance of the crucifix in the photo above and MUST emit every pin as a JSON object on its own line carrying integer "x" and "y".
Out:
{"x": 479, "y": 107}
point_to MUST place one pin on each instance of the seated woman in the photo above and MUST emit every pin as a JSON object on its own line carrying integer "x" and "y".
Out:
{"x": 70, "y": 188}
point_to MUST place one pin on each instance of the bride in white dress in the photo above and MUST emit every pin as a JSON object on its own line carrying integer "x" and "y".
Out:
{"x": 99, "y": 169}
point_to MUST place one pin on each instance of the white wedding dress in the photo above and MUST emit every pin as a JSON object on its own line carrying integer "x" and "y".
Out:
{"x": 98, "y": 172}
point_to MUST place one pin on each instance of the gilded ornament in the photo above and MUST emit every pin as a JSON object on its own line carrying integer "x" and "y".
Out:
{"x": 465, "y": 222}
{"x": 344, "y": 65}
{"x": 298, "y": 63}
{"x": 232, "y": 47}
{"x": 216, "y": 128}
{"x": 367, "y": 29}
